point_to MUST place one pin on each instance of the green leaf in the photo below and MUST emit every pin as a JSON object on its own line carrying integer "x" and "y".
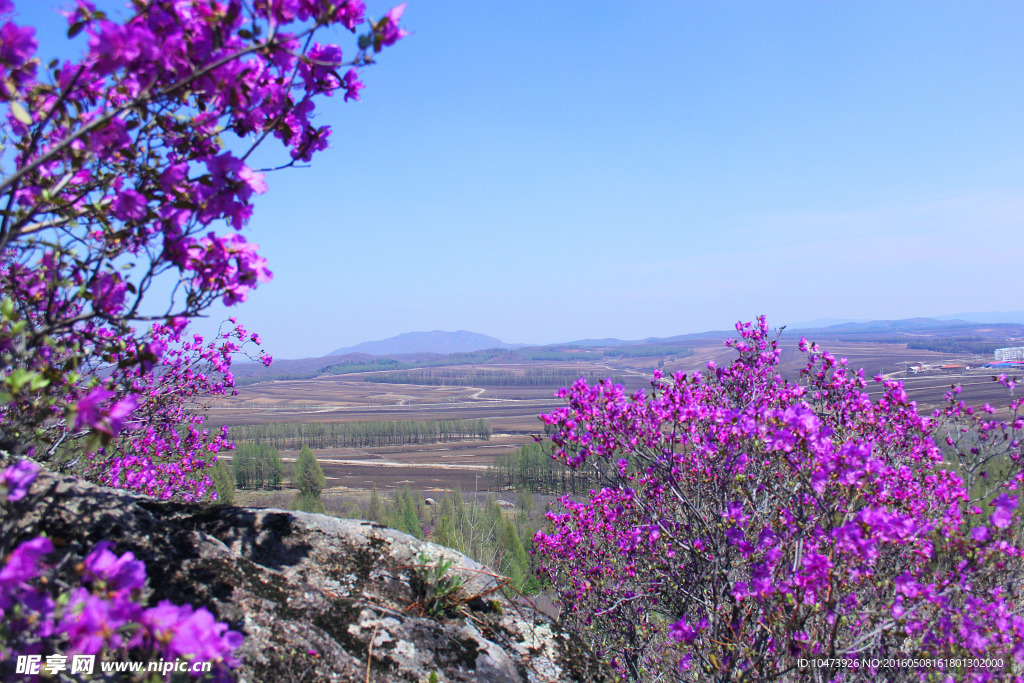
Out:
{"x": 17, "y": 379}
{"x": 75, "y": 29}
{"x": 38, "y": 382}
{"x": 21, "y": 113}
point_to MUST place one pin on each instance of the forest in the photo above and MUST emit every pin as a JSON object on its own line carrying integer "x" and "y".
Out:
{"x": 978, "y": 345}
{"x": 293, "y": 435}
{"x": 532, "y": 469}
{"x": 256, "y": 466}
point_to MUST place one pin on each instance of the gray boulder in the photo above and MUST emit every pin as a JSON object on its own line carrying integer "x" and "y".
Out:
{"x": 354, "y": 593}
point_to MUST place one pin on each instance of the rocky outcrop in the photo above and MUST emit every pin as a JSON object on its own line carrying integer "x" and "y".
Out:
{"x": 318, "y": 598}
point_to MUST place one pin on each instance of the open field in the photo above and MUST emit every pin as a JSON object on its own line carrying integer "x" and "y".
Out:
{"x": 512, "y": 410}
{"x": 424, "y": 467}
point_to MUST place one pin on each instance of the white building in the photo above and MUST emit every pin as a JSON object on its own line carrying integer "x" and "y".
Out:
{"x": 1010, "y": 353}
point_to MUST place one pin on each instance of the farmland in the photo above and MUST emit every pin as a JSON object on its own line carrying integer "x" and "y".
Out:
{"x": 511, "y": 395}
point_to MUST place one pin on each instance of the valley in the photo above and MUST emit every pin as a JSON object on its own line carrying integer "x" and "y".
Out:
{"x": 512, "y": 394}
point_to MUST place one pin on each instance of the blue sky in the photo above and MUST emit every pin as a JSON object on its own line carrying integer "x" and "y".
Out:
{"x": 549, "y": 171}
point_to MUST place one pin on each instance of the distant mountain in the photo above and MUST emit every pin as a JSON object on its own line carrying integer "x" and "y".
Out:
{"x": 904, "y": 325}
{"x": 1011, "y": 317}
{"x": 981, "y": 325}
{"x": 824, "y": 322}
{"x": 428, "y": 342}
{"x": 607, "y": 341}
{"x": 912, "y": 329}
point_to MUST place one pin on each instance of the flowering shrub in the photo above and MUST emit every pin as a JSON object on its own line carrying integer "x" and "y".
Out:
{"x": 163, "y": 451}
{"x": 753, "y": 526}
{"x": 97, "y": 608}
{"x": 121, "y": 167}
{"x": 125, "y": 168}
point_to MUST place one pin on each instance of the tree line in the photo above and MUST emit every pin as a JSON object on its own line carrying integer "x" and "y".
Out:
{"x": 978, "y": 345}
{"x": 532, "y": 469}
{"x": 648, "y": 351}
{"x": 531, "y": 377}
{"x": 293, "y": 435}
{"x": 257, "y": 466}
{"x": 959, "y": 344}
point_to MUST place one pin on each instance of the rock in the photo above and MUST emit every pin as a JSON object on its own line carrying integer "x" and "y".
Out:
{"x": 352, "y": 591}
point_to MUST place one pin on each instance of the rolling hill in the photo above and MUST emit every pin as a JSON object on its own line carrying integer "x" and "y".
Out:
{"x": 427, "y": 342}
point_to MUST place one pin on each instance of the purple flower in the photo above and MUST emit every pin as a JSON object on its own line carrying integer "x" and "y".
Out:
{"x": 108, "y": 293}
{"x": 350, "y": 14}
{"x": 352, "y": 85}
{"x": 118, "y": 574}
{"x": 175, "y": 175}
{"x": 1003, "y": 513}
{"x": 906, "y": 585}
{"x": 801, "y": 419}
{"x": 684, "y": 633}
{"x": 734, "y": 511}
{"x": 89, "y": 410}
{"x": 22, "y": 565}
{"x": 151, "y": 354}
{"x": 116, "y": 45}
{"x": 162, "y": 620}
{"x": 177, "y": 324}
{"x": 129, "y": 205}
{"x": 39, "y": 605}
{"x": 191, "y": 634}
{"x": 17, "y": 44}
{"x": 119, "y": 412}
{"x": 387, "y": 29}
{"x": 93, "y": 621}
{"x": 737, "y": 538}
{"x": 18, "y": 478}
{"x": 228, "y": 169}
{"x": 110, "y": 420}
{"x": 318, "y": 74}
